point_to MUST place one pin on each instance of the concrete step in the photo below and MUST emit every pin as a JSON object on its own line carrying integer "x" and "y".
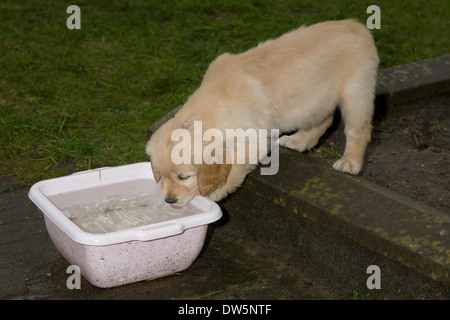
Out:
{"x": 392, "y": 225}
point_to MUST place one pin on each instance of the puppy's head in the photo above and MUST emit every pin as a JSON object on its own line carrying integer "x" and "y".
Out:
{"x": 180, "y": 183}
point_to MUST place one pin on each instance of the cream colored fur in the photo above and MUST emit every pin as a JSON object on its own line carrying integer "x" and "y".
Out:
{"x": 292, "y": 83}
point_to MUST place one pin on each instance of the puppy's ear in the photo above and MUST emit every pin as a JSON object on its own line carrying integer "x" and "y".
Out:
{"x": 211, "y": 176}
{"x": 156, "y": 174}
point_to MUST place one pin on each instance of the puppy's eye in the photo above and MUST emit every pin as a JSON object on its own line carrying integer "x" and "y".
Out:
{"x": 182, "y": 177}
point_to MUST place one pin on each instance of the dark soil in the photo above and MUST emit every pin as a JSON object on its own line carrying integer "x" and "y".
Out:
{"x": 409, "y": 151}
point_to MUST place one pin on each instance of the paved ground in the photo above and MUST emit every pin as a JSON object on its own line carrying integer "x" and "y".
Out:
{"x": 258, "y": 250}
{"x": 306, "y": 233}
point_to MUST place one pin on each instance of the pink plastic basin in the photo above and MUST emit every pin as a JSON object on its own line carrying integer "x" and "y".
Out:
{"x": 128, "y": 255}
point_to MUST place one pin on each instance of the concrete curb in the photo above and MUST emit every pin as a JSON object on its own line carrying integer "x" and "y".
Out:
{"x": 392, "y": 225}
{"x": 413, "y": 81}
{"x": 388, "y": 223}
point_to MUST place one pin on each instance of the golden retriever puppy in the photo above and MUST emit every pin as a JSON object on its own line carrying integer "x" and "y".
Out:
{"x": 293, "y": 83}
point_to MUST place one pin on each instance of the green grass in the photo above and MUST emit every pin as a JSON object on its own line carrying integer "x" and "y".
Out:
{"x": 332, "y": 153}
{"x": 77, "y": 99}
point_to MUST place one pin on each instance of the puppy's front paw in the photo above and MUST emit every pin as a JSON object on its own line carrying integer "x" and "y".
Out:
{"x": 294, "y": 142}
{"x": 217, "y": 195}
{"x": 348, "y": 166}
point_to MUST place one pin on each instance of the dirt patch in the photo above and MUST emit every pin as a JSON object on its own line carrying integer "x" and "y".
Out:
{"x": 409, "y": 151}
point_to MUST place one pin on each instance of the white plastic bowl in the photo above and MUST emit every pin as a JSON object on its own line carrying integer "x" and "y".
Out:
{"x": 124, "y": 256}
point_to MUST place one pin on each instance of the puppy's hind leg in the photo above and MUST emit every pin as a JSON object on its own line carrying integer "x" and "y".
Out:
{"x": 357, "y": 110}
{"x": 304, "y": 140}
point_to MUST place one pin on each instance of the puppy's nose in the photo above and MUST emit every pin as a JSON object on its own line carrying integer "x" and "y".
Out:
{"x": 170, "y": 200}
